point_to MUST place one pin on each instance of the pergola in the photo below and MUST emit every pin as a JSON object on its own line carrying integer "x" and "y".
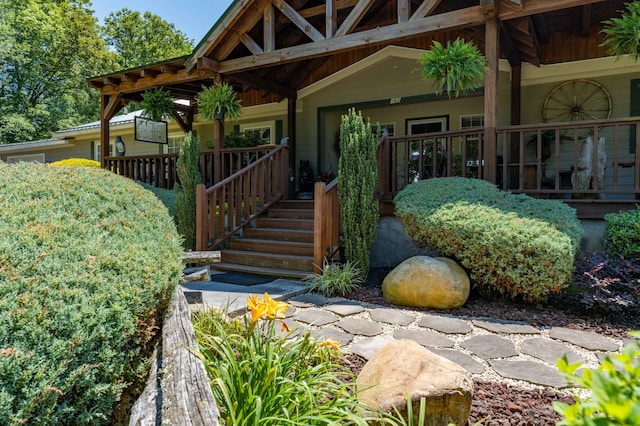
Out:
{"x": 270, "y": 49}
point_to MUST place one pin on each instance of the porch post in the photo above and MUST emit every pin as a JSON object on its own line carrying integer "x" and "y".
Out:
{"x": 218, "y": 137}
{"x": 104, "y": 130}
{"x": 492, "y": 52}
{"x": 516, "y": 118}
{"x": 291, "y": 132}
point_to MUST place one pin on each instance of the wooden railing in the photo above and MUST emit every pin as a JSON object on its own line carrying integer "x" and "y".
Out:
{"x": 228, "y": 206}
{"x": 537, "y": 159}
{"x": 160, "y": 170}
{"x": 157, "y": 170}
{"x": 326, "y": 222}
{"x": 406, "y": 159}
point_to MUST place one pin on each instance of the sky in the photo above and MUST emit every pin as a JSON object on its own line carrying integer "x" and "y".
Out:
{"x": 193, "y": 17}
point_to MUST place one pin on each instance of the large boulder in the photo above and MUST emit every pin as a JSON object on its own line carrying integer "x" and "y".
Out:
{"x": 423, "y": 281}
{"x": 404, "y": 366}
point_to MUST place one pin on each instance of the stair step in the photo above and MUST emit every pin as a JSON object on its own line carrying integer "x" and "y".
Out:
{"x": 272, "y": 272}
{"x": 284, "y": 223}
{"x": 273, "y": 246}
{"x": 279, "y": 234}
{"x": 268, "y": 260}
{"x": 291, "y": 213}
{"x": 295, "y": 204}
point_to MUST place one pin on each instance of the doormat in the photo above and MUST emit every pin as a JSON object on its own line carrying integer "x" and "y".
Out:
{"x": 241, "y": 279}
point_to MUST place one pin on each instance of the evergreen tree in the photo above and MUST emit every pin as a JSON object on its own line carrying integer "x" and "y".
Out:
{"x": 188, "y": 168}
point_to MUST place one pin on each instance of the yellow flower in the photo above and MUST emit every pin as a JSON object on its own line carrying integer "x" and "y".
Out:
{"x": 275, "y": 309}
{"x": 257, "y": 308}
{"x": 334, "y": 344}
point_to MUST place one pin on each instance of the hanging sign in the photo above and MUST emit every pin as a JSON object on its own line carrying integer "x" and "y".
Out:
{"x": 151, "y": 131}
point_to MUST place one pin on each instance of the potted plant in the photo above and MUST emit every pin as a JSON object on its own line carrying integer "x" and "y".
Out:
{"x": 218, "y": 101}
{"x": 157, "y": 104}
{"x": 457, "y": 68}
{"x": 621, "y": 34}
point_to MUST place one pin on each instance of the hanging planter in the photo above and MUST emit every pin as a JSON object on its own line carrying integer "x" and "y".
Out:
{"x": 457, "y": 68}
{"x": 217, "y": 101}
{"x": 157, "y": 104}
{"x": 621, "y": 34}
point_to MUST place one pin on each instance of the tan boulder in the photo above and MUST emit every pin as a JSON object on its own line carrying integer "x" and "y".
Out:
{"x": 432, "y": 282}
{"x": 405, "y": 366}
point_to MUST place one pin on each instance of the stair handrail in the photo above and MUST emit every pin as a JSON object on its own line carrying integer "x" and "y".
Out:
{"x": 225, "y": 208}
{"x": 327, "y": 222}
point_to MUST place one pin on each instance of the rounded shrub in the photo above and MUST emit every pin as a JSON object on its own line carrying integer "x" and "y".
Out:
{"x": 622, "y": 233}
{"x": 513, "y": 245}
{"x": 76, "y": 162}
{"x": 88, "y": 263}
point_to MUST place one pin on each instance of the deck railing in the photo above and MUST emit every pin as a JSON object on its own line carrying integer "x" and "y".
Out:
{"x": 228, "y": 206}
{"x": 160, "y": 170}
{"x": 577, "y": 160}
{"x": 327, "y": 222}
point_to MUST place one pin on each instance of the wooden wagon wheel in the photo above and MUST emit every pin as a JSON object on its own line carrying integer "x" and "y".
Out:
{"x": 577, "y": 100}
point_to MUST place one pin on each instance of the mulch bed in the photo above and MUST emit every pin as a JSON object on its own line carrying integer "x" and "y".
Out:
{"x": 603, "y": 296}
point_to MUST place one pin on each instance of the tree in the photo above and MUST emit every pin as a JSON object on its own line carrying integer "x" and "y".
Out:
{"x": 189, "y": 178}
{"x": 143, "y": 39}
{"x": 47, "y": 50}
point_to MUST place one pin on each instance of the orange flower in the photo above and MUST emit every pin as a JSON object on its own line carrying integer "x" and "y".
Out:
{"x": 333, "y": 344}
{"x": 275, "y": 309}
{"x": 257, "y": 308}
{"x": 285, "y": 327}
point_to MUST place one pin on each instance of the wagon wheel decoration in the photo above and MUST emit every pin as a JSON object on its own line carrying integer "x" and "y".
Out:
{"x": 577, "y": 100}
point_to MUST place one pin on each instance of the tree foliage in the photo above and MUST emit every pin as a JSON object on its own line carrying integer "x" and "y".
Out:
{"x": 47, "y": 50}
{"x": 140, "y": 39}
{"x": 357, "y": 181}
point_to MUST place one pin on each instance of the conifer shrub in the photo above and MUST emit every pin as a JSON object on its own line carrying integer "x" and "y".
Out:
{"x": 512, "y": 245}
{"x": 188, "y": 168}
{"x": 622, "y": 233}
{"x": 88, "y": 263}
{"x": 166, "y": 196}
{"x": 76, "y": 162}
{"x": 357, "y": 182}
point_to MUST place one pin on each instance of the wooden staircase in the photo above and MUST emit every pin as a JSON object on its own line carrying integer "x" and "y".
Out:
{"x": 280, "y": 244}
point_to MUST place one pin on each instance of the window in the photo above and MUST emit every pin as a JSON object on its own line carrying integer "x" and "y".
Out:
{"x": 263, "y": 132}
{"x": 466, "y": 122}
{"x": 389, "y": 127}
{"x": 174, "y": 144}
{"x": 34, "y": 158}
{"x": 97, "y": 153}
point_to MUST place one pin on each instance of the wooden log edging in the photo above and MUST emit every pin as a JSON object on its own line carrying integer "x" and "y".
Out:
{"x": 178, "y": 391}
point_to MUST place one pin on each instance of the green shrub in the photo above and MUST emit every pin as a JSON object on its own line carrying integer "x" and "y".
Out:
{"x": 622, "y": 233}
{"x": 88, "y": 263}
{"x": 513, "y": 245}
{"x": 335, "y": 279}
{"x": 166, "y": 196}
{"x": 614, "y": 386}
{"x": 188, "y": 167}
{"x": 76, "y": 162}
{"x": 357, "y": 182}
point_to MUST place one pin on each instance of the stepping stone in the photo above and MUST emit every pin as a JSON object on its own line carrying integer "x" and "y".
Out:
{"x": 332, "y": 333}
{"x": 424, "y": 337}
{"x": 585, "y": 339}
{"x": 549, "y": 350}
{"x": 360, "y": 327}
{"x": 294, "y": 327}
{"x": 391, "y": 316}
{"x": 345, "y": 307}
{"x": 465, "y": 361}
{"x": 317, "y": 317}
{"x": 529, "y": 371}
{"x": 506, "y": 327}
{"x": 308, "y": 300}
{"x": 368, "y": 347}
{"x": 290, "y": 311}
{"x": 445, "y": 324}
{"x": 489, "y": 347}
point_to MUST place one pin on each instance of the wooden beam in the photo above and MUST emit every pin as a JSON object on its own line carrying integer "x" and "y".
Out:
{"x": 354, "y": 17}
{"x": 111, "y": 107}
{"x": 148, "y": 73}
{"x": 541, "y": 28}
{"x": 162, "y": 80}
{"x": 471, "y": 16}
{"x": 534, "y": 7}
{"x": 253, "y": 80}
{"x": 185, "y": 126}
{"x": 404, "y": 10}
{"x": 508, "y": 46}
{"x": 298, "y": 20}
{"x": 269, "y": 29}
{"x": 111, "y": 81}
{"x": 129, "y": 76}
{"x": 426, "y": 8}
{"x": 322, "y": 9}
{"x": 331, "y": 18}
{"x": 169, "y": 69}
{"x": 251, "y": 44}
{"x": 208, "y": 64}
{"x": 492, "y": 52}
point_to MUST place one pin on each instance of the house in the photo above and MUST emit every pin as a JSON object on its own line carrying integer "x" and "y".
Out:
{"x": 299, "y": 65}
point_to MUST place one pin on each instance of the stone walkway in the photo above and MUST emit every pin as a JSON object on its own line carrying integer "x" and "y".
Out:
{"x": 490, "y": 349}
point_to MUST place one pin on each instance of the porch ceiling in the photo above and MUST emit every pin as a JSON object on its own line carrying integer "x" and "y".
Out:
{"x": 270, "y": 49}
